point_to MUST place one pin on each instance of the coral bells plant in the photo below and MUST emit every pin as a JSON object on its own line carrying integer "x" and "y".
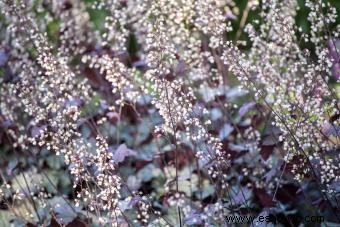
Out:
{"x": 294, "y": 88}
{"x": 169, "y": 113}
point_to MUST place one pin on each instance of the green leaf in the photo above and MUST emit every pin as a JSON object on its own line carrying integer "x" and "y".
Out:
{"x": 62, "y": 210}
{"x": 149, "y": 172}
{"x": 5, "y": 218}
{"x": 54, "y": 161}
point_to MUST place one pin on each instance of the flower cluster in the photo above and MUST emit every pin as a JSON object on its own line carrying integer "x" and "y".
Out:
{"x": 295, "y": 89}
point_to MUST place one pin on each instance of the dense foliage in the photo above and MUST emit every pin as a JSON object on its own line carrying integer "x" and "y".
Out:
{"x": 169, "y": 112}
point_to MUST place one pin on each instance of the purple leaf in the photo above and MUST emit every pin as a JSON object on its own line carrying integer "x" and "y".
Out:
{"x": 335, "y": 185}
{"x": 225, "y": 131}
{"x": 230, "y": 15}
{"x": 112, "y": 115}
{"x": 193, "y": 219}
{"x": 103, "y": 104}
{"x": 180, "y": 68}
{"x": 242, "y": 196}
{"x": 317, "y": 202}
{"x": 139, "y": 63}
{"x": 73, "y": 102}
{"x": 37, "y": 131}
{"x": 134, "y": 200}
{"x": 122, "y": 152}
{"x": 237, "y": 147}
{"x": 216, "y": 114}
{"x": 333, "y": 45}
{"x": 273, "y": 171}
{"x": 3, "y": 57}
{"x": 245, "y": 108}
{"x": 333, "y": 130}
{"x": 11, "y": 166}
{"x": 6, "y": 123}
